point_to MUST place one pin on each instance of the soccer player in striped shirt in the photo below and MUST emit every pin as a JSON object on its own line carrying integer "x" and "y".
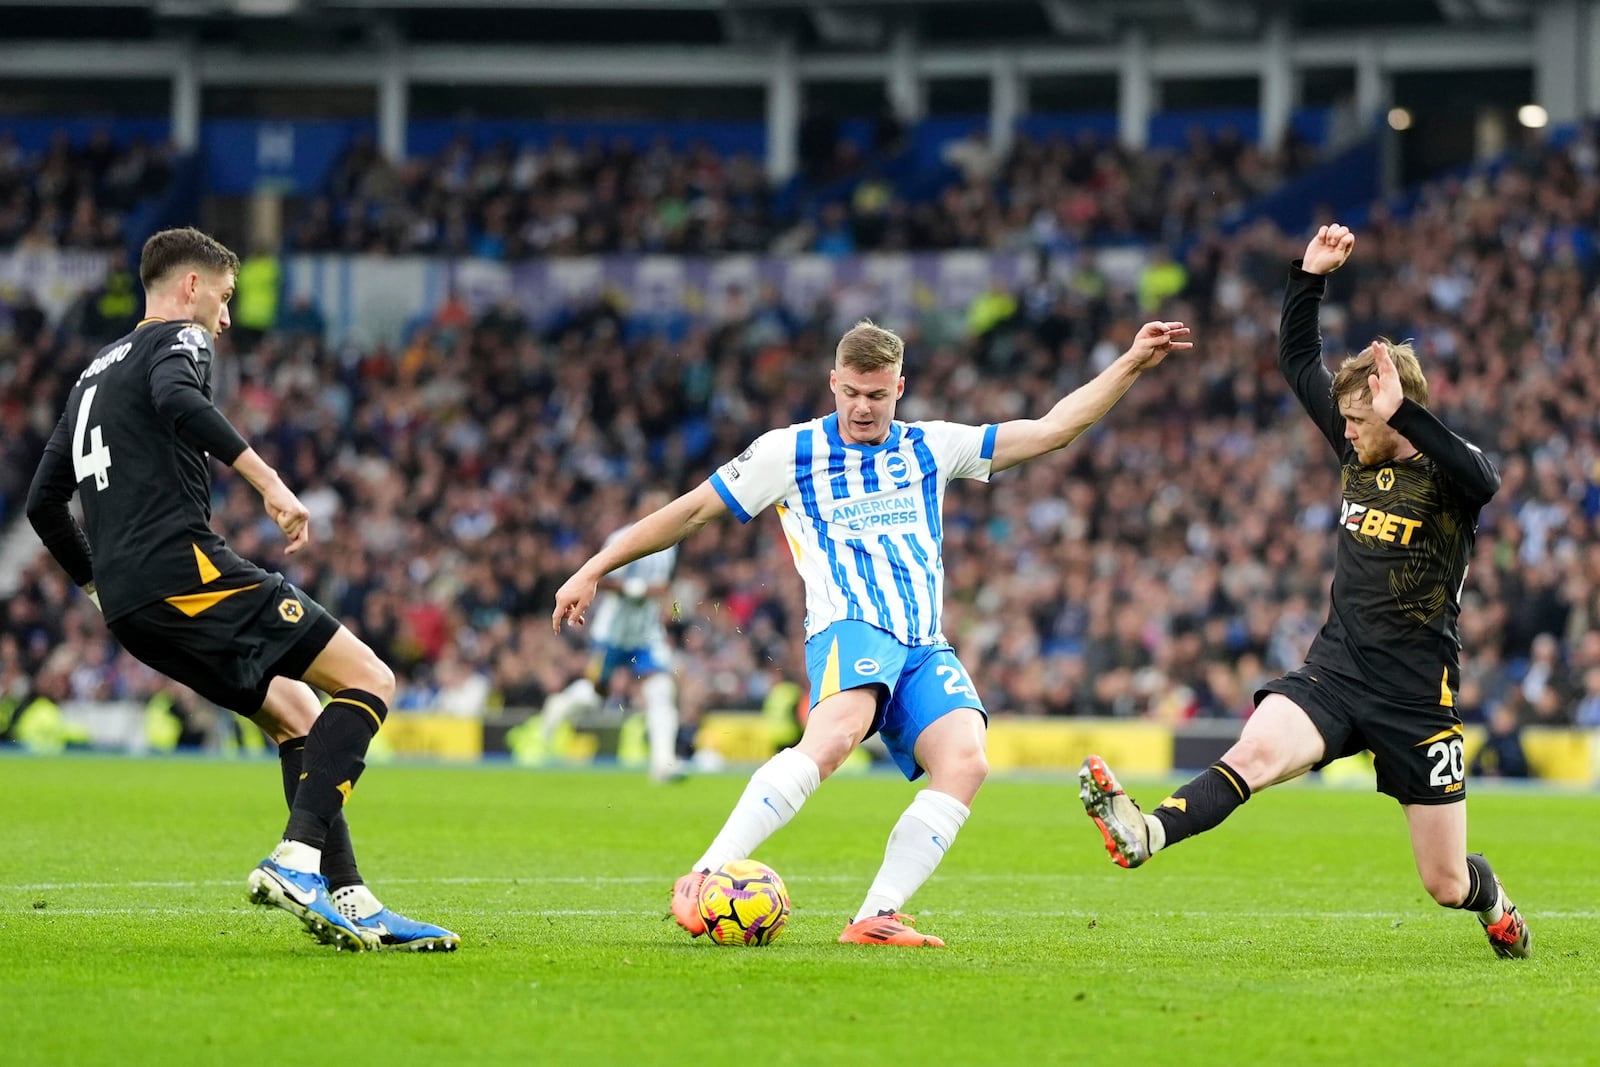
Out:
{"x": 859, "y": 496}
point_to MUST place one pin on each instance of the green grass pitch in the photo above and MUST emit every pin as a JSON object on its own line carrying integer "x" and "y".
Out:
{"x": 1296, "y": 934}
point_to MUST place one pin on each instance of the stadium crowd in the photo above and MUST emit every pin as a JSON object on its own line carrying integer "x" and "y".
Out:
{"x": 1162, "y": 566}
{"x": 506, "y": 201}
{"x": 76, "y": 196}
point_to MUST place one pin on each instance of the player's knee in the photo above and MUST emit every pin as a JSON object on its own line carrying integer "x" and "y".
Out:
{"x": 973, "y": 767}
{"x": 828, "y": 748}
{"x": 370, "y": 674}
{"x": 829, "y": 741}
{"x": 382, "y": 680}
{"x": 288, "y": 711}
{"x": 1260, "y": 763}
{"x": 960, "y": 774}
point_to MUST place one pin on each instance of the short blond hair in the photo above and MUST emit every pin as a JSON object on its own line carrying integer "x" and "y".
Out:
{"x": 868, "y": 347}
{"x": 1351, "y": 379}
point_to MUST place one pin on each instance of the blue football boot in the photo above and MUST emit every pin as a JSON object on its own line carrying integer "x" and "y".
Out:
{"x": 390, "y": 929}
{"x": 304, "y": 895}
{"x": 395, "y": 931}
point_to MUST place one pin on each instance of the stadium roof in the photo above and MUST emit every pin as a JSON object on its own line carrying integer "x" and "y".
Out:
{"x": 826, "y": 23}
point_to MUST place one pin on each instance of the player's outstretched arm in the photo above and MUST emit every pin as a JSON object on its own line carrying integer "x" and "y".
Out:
{"x": 660, "y": 529}
{"x": 1300, "y": 339}
{"x": 1023, "y": 439}
{"x": 50, "y": 515}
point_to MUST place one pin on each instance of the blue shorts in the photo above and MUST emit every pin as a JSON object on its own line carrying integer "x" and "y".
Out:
{"x": 923, "y": 683}
{"x": 641, "y": 661}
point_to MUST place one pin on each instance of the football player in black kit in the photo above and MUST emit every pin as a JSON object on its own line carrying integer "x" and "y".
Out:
{"x": 135, "y": 442}
{"x": 1383, "y": 673}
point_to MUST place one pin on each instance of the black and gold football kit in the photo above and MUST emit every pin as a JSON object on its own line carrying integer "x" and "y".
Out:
{"x": 133, "y": 442}
{"x": 1383, "y": 672}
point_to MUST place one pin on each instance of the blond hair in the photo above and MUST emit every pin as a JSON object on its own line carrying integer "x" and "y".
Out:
{"x": 868, "y": 346}
{"x": 1351, "y": 379}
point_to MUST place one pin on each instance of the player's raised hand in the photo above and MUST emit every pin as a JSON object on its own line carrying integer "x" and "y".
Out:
{"x": 572, "y": 600}
{"x": 292, "y": 517}
{"x": 1329, "y": 249}
{"x": 1155, "y": 339}
{"x": 1385, "y": 384}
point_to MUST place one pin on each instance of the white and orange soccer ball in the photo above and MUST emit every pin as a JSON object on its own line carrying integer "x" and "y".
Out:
{"x": 744, "y": 903}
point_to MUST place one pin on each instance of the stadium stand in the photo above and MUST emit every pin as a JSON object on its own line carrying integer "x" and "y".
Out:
{"x": 1159, "y": 569}
{"x": 511, "y": 201}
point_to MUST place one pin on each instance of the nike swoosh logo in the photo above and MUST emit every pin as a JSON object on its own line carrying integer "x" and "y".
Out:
{"x": 768, "y": 802}
{"x": 940, "y": 842}
{"x": 292, "y": 891}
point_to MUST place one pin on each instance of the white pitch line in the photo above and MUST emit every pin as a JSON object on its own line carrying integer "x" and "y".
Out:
{"x": 636, "y": 879}
{"x": 863, "y": 877}
{"x": 595, "y": 913}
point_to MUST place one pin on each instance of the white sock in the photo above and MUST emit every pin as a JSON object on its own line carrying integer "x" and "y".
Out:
{"x": 1496, "y": 912}
{"x": 1158, "y": 833}
{"x": 297, "y": 856}
{"x": 559, "y": 707}
{"x": 774, "y": 794}
{"x": 660, "y": 720}
{"x": 916, "y": 845}
{"x": 356, "y": 902}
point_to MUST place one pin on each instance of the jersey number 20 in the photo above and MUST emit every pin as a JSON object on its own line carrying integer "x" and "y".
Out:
{"x": 96, "y": 462}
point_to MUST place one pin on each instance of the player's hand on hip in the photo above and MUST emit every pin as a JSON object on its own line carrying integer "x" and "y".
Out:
{"x": 292, "y": 517}
{"x": 1329, "y": 249}
{"x": 572, "y": 600}
{"x": 1155, "y": 339}
{"x": 1387, "y": 392}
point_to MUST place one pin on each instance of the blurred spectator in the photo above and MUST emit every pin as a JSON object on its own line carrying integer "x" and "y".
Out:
{"x": 76, "y": 196}
{"x": 505, "y": 201}
{"x": 1501, "y": 755}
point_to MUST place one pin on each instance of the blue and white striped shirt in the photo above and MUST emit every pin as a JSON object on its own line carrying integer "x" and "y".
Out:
{"x": 864, "y": 522}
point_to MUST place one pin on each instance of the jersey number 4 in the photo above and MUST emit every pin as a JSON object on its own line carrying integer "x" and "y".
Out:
{"x": 96, "y": 462}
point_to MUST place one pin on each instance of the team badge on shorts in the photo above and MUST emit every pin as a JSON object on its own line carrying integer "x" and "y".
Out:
{"x": 290, "y": 610}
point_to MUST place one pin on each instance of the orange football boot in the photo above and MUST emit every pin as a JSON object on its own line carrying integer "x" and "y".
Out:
{"x": 686, "y": 902}
{"x": 891, "y": 928}
{"x": 1510, "y": 937}
{"x": 1114, "y": 812}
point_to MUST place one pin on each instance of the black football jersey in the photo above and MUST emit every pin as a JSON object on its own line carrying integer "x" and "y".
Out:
{"x": 1405, "y": 532}
{"x": 146, "y": 493}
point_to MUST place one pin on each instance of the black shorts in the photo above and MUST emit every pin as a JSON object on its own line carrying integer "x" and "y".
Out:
{"x": 231, "y": 651}
{"x": 1416, "y": 746}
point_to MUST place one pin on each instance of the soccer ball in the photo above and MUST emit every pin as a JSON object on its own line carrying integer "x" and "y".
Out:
{"x": 744, "y": 903}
